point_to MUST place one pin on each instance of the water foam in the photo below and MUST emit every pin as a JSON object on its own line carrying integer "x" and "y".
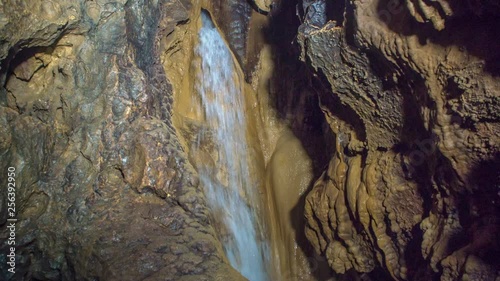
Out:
{"x": 229, "y": 191}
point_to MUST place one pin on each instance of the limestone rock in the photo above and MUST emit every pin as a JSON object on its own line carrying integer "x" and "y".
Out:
{"x": 104, "y": 189}
{"x": 420, "y": 197}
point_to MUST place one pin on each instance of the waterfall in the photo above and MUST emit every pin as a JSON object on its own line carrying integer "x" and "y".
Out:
{"x": 231, "y": 193}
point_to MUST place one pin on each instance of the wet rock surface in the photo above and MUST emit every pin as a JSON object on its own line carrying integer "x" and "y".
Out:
{"x": 233, "y": 19}
{"x": 404, "y": 143}
{"x": 104, "y": 190}
{"x": 413, "y": 186}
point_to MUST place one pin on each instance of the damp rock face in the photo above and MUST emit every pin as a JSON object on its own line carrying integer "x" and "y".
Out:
{"x": 104, "y": 190}
{"x": 414, "y": 185}
{"x": 233, "y": 19}
{"x": 408, "y": 94}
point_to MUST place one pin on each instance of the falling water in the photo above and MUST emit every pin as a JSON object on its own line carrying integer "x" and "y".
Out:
{"x": 231, "y": 193}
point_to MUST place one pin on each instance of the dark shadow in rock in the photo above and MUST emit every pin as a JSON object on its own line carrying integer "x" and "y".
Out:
{"x": 477, "y": 207}
{"x": 318, "y": 265}
{"x": 335, "y": 10}
{"x": 480, "y": 211}
{"x": 294, "y": 89}
{"x": 17, "y": 58}
{"x": 417, "y": 267}
{"x": 233, "y": 19}
{"x": 477, "y": 33}
{"x": 294, "y": 93}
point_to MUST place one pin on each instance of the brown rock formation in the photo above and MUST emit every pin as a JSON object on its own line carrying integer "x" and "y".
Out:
{"x": 413, "y": 186}
{"x": 395, "y": 103}
{"x": 104, "y": 189}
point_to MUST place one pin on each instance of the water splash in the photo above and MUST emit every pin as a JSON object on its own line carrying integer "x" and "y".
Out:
{"x": 230, "y": 192}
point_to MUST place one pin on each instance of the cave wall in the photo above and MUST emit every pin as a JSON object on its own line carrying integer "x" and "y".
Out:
{"x": 281, "y": 170}
{"x": 413, "y": 186}
{"x": 396, "y": 104}
{"x": 104, "y": 188}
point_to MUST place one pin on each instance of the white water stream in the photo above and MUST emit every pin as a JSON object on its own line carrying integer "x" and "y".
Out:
{"x": 230, "y": 192}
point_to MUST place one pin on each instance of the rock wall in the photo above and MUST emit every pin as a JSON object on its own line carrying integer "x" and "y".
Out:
{"x": 280, "y": 167}
{"x": 404, "y": 143}
{"x": 104, "y": 189}
{"x": 414, "y": 184}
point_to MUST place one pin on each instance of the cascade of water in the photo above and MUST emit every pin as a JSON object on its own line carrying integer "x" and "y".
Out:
{"x": 230, "y": 192}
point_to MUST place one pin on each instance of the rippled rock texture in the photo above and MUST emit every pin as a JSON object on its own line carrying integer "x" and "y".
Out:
{"x": 407, "y": 127}
{"x": 414, "y": 184}
{"x": 104, "y": 190}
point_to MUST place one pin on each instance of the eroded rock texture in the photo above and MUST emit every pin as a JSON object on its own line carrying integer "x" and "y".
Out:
{"x": 414, "y": 185}
{"x": 104, "y": 190}
{"x": 233, "y": 18}
{"x": 409, "y": 88}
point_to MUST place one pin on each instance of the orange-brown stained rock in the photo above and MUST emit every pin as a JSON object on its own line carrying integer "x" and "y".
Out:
{"x": 426, "y": 101}
{"x": 105, "y": 190}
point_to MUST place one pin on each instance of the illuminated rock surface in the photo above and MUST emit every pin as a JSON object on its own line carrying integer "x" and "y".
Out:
{"x": 372, "y": 132}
